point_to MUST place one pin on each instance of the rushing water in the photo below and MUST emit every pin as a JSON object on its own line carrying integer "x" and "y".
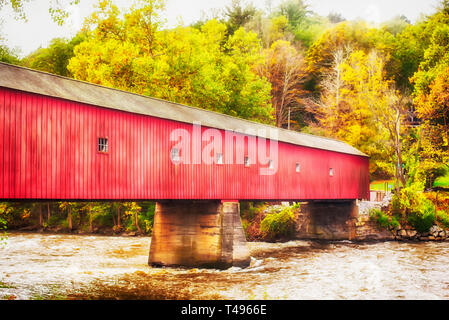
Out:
{"x": 42, "y": 266}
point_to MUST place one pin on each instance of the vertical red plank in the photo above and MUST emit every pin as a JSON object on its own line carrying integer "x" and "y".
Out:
{"x": 19, "y": 144}
{"x": 12, "y": 149}
{"x": 38, "y": 153}
{"x": 54, "y": 141}
{"x": 125, "y": 159}
{"x": 46, "y": 148}
{"x": 100, "y": 157}
{"x": 2, "y": 141}
{"x": 55, "y": 147}
{"x": 50, "y": 145}
{"x": 23, "y": 140}
{"x": 107, "y": 193}
{"x": 89, "y": 142}
{"x": 61, "y": 150}
{"x": 68, "y": 118}
{"x": 46, "y": 142}
{"x": 114, "y": 150}
{"x": 95, "y": 155}
{"x": 119, "y": 147}
{"x": 76, "y": 134}
{"x": 105, "y": 164}
{"x": 7, "y": 146}
{"x": 33, "y": 180}
{"x": 82, "y": 154}
{"x": 68, "y": 155}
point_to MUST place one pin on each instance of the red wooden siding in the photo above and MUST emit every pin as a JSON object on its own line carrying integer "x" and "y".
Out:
{"x": 49, "y": 151}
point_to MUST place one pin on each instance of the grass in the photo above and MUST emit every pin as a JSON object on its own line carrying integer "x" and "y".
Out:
{"x": 382, "y": 185}
{"x": 5, "y": 286}
{"x": 442, "y": 182}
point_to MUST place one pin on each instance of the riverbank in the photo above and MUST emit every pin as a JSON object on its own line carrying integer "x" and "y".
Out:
{"x": 59, "y": 230}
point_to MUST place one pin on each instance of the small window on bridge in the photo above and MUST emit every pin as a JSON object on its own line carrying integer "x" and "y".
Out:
{"x": 102, "y": 145}
{"x": 247, "y": 162}
{"x": 219, "y": 158}
{"x": 270, "y": 164}
{"x": 331, "y": 172}
{"x": 174, "y": 154}
{"x": 298, "y": 167}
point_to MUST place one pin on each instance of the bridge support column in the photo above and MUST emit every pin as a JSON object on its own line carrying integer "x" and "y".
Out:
{"x": 206, "y": 234}
{"x": 327, "y": 220}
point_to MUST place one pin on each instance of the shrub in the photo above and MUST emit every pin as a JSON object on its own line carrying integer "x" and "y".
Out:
{"x": 443, "y": 218}
{"x": 396, "y": 208}
{"x": 3, "y": 234}
{"x": 147, "y": 216}
{"x": 279, "y": 224}
{"x": 383, "y": 219}
{"x": 422, "y": 218}
{"x": 249, "y": 210}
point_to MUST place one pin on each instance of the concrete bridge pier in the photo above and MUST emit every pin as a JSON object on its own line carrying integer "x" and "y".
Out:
{"x": 205, "y": 234}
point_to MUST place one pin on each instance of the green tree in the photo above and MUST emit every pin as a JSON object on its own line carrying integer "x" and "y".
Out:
{"x": 305, "y": 25}
{"x": 55, "y": 58}
{"x": 238, "y": 14}
{"x": 7, "y": 55}
{"x": 396, "y": 25}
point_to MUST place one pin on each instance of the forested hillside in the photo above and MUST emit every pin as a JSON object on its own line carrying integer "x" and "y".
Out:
{"x": 381, "y": 88}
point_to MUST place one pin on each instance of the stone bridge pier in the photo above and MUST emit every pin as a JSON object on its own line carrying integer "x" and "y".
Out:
{"x": 338, "y": 220}
{"x": 327, "y": 220}
{"x": 207, "y": 234}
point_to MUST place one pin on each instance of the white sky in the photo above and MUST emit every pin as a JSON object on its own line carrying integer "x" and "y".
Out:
{"x": 39, "y": 30}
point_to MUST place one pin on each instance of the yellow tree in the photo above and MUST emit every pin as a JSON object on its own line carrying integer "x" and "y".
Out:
{"x": 284, "y": 68}
{"x": 200, "y": 67}
{"x": 361, "y": 106}
{"x": 432, "y": 108}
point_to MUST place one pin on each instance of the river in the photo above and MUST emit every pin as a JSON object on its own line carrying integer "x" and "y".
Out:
{"x": 59, "y": 266}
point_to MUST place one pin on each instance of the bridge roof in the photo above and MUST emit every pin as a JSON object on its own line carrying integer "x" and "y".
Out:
{"x": 33, "y": 81}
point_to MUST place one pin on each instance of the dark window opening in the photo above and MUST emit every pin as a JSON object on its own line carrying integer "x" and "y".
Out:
{"x": 103, "y": 145}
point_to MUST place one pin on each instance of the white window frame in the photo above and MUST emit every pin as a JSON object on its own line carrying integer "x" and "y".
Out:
{"x": 247, "y": 161}
{"x": 174, "y": 155}
{"x": 219, "y": 158}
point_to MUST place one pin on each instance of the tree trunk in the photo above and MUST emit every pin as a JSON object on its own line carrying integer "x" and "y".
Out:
{"x": 70, "y": 218}
{"x": 91, "y": 229}
{"x": 41, "y": 221}
{"x": 118, "y": 217}
{"x": 48, "y": 211}
{"x": 137, "y": 222}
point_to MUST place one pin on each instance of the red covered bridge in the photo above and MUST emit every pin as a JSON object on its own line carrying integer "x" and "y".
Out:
{"x": 63, "y": 139}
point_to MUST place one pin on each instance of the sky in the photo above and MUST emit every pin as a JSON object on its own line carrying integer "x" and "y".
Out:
{"x": 25, "y": 37}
